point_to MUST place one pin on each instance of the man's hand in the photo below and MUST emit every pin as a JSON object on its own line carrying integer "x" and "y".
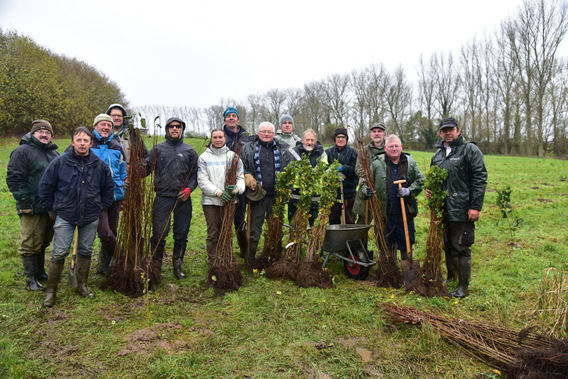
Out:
{"x": 402, "y": 192}
{"x": 472, "y": 215}
{"x": 125, "y": 185}
{"x": 250, "y": 182}
{"x": 369, "y": 192}
{"x": 26, "y": 206}
{"x": 428, "y": 193}
{"x": 184, "y": 194}
{"x": 232, "y": 189}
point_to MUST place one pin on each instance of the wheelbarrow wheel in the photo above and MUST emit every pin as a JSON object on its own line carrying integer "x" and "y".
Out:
{"x": 356, "y": 271}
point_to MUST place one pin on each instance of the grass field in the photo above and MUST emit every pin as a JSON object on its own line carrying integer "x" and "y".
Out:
{"x": 272, "y": 328}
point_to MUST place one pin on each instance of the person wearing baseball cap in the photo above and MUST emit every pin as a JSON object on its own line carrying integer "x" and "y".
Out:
{"x": 25, "y": 169}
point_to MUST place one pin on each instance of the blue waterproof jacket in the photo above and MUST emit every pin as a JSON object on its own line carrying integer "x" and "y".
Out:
{"x": 77, "y": 188}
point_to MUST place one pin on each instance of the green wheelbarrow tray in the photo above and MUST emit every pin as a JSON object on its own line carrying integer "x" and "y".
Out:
{"x": 345, "y": 241}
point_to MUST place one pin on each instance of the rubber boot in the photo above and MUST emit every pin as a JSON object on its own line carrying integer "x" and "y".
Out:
{"x": 179, "y": 251}
{"x": 465, "y": 274}
{"x": 252, "y": 254}
{"x": 157, "y": 254}
{"x": 30, "y": 263}
{"x": 403, "y": 255}
{"x": 83, "y": 265}
{"x": 242, "y": 241}
{"x": 105, "y": 255}
{"x": 54, "y": 276}
{"x": 452, "y": 266}
{"x": 40, "y": 273}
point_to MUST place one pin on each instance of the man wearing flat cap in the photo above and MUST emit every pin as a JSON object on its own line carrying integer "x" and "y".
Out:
{"x": 466, "y": 182}
{"x": 25, "y": 169}
{"x": 375, "y": 148}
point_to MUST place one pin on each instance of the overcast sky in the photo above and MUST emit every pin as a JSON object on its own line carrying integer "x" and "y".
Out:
{"x": 195, "y": 52}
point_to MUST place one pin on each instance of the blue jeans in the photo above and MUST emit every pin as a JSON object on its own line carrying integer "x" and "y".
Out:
{"x": 63, "y": 239}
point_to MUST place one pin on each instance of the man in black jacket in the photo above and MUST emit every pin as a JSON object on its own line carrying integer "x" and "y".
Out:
{"x": 27, "y": 164}
{"x": 77, "y": 186}
{"x": 347, "y": 157}
{"x": 174, "y": 164}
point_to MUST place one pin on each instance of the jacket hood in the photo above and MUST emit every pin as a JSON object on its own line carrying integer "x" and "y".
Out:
{"x": 317, "y": 148}
{"x": 168, "y": 122}
{"x": 29, "y": 139}
{"x": 102, "y": 139}
{"x": 221, "y": 151}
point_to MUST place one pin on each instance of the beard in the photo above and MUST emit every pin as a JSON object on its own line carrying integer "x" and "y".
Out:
{"x": 309, "y": 149}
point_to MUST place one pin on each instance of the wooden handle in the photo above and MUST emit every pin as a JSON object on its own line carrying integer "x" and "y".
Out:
{"x": 399, "y": 182}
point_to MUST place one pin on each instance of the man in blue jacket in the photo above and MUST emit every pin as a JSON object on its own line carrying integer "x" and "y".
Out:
{"x": 27, "y": 164}
{"x": 77, "y": 186}
{"x": 174, "y": 164}
{"x": 110, "y": 150}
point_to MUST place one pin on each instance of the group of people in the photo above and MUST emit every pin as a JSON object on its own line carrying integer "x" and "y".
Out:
{"x": 80, "y": 192}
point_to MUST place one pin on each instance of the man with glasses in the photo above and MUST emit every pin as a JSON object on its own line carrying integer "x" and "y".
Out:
{"x": 346, "y": 155}
{"x": 27, "y": 164}
{"x": 263, "y": 158}
{"x": 386, "y": 169}
{"x": 174, "y": 164}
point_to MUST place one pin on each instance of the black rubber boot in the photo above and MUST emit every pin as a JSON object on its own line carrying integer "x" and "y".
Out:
{"x": 242, "y": 241}
{"x": 179, "y": 251}
{"x": 40, "y": 273}
{"x": 83, "y": 265}
{"x": 252, "y": 254}
{"x": 30, "y": 263}
{"x": 465, "y": 274}
{"x": 452, "y": 266}
{"x": 55, "y": 270}
{"x": 403, "y": 255}
{"x": 105, "y": 255}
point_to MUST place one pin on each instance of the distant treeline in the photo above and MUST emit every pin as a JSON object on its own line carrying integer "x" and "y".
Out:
{"x": 36, "y": 83}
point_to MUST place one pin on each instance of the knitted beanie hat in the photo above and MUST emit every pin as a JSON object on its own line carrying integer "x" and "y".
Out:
{"x": 41, "y": 125}
{"x": 103, "y": 117}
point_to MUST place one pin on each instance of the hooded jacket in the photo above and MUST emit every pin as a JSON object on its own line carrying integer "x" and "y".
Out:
{"x": 26, "y": 167}
{"x": 212, "y": 170}
{"x": 467, "y": 177}
{"x": 347, "y": 157}
{"x": 315, "y": 153}
{"x": 128, "y": 137}
{"x": 77, "y": 188}
{"x": 174, "y": 164}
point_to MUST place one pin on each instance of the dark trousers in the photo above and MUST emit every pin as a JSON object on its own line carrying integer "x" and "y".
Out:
{"x": 240, "y": 212}
{"x": 458, "y": 238}
{"x": 163, "y": 209}
{"x": 260, "y": 211}
{"x": 394, "y": 231}
{"x": 212, "y": 215}
{"x": 335, "y": 214}
{"x": 314, "y": 209}
{"x": 108, "y": 224}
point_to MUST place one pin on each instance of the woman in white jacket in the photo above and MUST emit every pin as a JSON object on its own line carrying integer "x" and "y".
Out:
{"x": 212, "y": 168}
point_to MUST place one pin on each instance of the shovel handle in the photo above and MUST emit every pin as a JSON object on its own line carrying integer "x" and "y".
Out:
{"x": 75, "y": 245}
{"x": 399, "y": 182}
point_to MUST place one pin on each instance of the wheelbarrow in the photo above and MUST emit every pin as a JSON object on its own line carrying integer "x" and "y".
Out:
{"x": 345, "y": 241}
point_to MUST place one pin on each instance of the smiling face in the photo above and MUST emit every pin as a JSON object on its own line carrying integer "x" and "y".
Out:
{"x": 174, "y": 130}
{"x": 43, "y": 136}
{"x": 81, "y": 143}
{"x": 309, "y": 141}
{"x": 287, "y": 127}
{"x": 117, "y": 117}
{"x": 232, "y": 121}
{"x": 218, "y": 139}
{"x": 104, "y": 128}
{"x": 340, "y": 141}
{"x": 450, "y": 134}
{"x": 393, "y": 149}
{"x": 266, "y": 133}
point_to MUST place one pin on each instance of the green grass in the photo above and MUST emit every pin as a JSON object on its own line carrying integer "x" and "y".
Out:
{"x": 271, "y": 328}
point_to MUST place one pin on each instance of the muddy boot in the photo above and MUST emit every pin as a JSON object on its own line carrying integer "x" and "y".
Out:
{"x": 179, "y": 251}
{"x": 30, "y": 262}
{"x": 252, "y": 254}
{"x": 83, "y": 265}
{"x": 452, "y": 266}
{"x": 403, "y": 255}
{"x": 465, "y": 274}
{"x": 40, "y": 273}
{"x": 242, "y": 241}
{"x": 105, "y": 255}
{"x": 54, "y": 276}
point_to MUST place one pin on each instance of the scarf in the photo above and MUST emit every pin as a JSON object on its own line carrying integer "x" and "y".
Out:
{"x": 257, "y": 161}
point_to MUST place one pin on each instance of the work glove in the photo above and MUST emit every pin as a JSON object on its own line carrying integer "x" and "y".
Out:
{"x": 184, "y": 194}
{"x": 403, "y": 192}
{"x": 225, "y": 197}
{"x": 231, "y": 189}
{"x": 369, "y": 192}
{"x": 26, "y": 206}
{"x": 342, "y": 176}
{"x": 125, "y": 185}
{"x": 340, "y": 168}
{"x": 250, "y": 182}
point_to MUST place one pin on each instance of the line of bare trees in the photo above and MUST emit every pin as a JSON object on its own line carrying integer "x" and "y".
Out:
{"x": 508, "y": 90}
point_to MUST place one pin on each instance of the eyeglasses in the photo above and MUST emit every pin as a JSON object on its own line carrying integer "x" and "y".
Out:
{"x": 266, "y": 131}
{"x": 43, "y": 132}
{"x": 340, "y": 137}
{"x": 393, "y": 147}
{"x": 174, "y": 126}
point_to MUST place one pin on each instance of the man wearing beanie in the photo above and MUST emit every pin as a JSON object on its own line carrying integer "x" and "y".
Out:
{"x": 347, "y": 157}
{"x": 128, "y": 137}
{"x": 237, "y": 136}
{"x": 174, "y": 164}
{"x": 375, "y": 148}
{"x": 25, "y": 169}
{"x": 106, "y": 147}
{"x": 286, "y": 133}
